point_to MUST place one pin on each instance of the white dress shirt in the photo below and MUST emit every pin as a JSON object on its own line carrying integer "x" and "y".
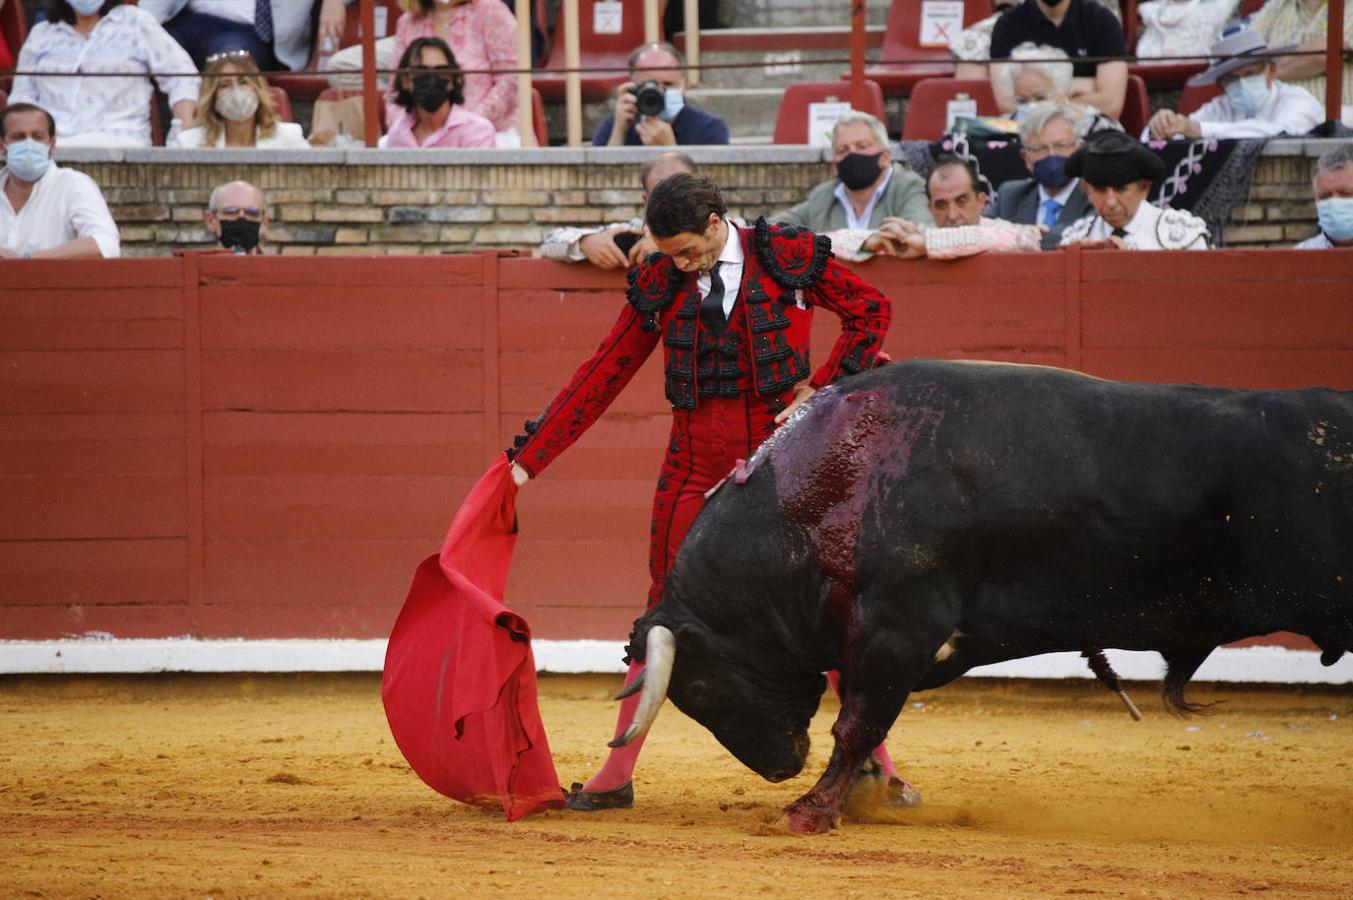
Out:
{"x": 127, "y": 40}
{"x": 287, "y": 136}
{"x": 1152, "y": 228}
{"x": 64, "y": 205}
{"x": 1320, "y": 241}
{"x": 730, "y": 273}
{"x": 1289, "y": 110}
{"x": 230, "y": 10}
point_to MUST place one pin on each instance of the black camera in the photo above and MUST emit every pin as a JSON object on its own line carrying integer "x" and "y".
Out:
{"x": 650, "y": 98}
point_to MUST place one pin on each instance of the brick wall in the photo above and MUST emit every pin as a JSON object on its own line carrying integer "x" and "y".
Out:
{"x": 392, "y": 202}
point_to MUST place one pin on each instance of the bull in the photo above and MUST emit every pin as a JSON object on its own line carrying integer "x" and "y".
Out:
{"x": 924, "y": 518}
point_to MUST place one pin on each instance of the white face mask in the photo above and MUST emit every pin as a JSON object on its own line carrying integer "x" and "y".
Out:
{"x": 237, "y": 104}
{"x": 1250, "y": 94}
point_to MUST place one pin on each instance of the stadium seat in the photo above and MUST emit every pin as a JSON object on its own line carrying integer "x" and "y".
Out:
{"x": 4, "y": 100}
{"x": 538, "y": 119}
{"x": 594, "y": 51}
{"x": 927, "y": 111}
{"x": 902, "y": 40}
{"x": 1195, "y": 95}
{"x": 309, "y": 87}
{"x": 1136, "y": 106}
{"x": 791, "y": 122}
{"x": 281, "y": 103}
{"x": 341, "y": 94}
{"x": 14, "y": 28}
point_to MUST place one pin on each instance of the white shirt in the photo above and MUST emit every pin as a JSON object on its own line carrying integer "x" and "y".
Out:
{"x": 1152, "y": 228}
{"x": 1320, "y": 242}
{"x": 730, "y": 273}
{"x": 230, "y": 10}
{"x": 1289, "y": 110}
{"x": 127, "y": 40}
{"x": 862, "y": 220}
{"x": 64, "y": 205}
{"x": 287, "y": 136}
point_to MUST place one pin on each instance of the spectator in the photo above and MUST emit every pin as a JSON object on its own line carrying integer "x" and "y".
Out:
{"x": 1254, "y": 103}
{"x": 236, "y": 109}
{"x": 1077, "y": 27}
{"x": 278, "y": 34}
{"x": 80, "y": 40}
{"x": 868, "y": 188}
{"x": 1118, "y": 172}
{"x": 678, "y": 123}
{"x": 47, "y": 212}
{"x": 1044, "y": 74}
{"x": 1333, "y": 200}
{"x": 1181, "y": 27}
{"x": 1051, "y": 198}
{"x": 956, "y": 201}
{"x": 237, "y": 214}
{"x": 971, "y": 47}
{"x": 1305, "y": 23}
{"x": 430, "y": 92}
{"x": 623, "y": 244}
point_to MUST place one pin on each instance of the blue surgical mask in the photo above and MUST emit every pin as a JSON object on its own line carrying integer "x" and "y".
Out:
{"x": 1249, "y": 94}
{"x": 674, "y": 101}
{"x": 1335, "y": 216}
{"x": 86, "y": 7}
{"x": 1050, "y": 171}
{"x": 27, "y": 160}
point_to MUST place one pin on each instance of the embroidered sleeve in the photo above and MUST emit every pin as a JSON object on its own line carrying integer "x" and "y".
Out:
{"x": 865, "y": 314}
{"x": 588, "y": 393}
{"x": 795, "y": 258}
{"x": 969, "y": 240}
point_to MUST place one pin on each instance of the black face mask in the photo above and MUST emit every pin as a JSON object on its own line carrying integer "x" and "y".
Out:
{"x": 857, "y": 170}
{"x": 239, "y": 235}
{"x": 430, "y": 91}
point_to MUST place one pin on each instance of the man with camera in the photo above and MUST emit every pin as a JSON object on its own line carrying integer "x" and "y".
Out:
{"x": 651, "y": 109}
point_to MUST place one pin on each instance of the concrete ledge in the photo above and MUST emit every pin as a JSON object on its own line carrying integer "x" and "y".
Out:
{"x": 1273, "y": 665}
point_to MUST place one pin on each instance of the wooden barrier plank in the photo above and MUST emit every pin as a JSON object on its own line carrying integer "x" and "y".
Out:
{"x": 572, "y": 623}
{"x": 342, "y": 380}
{"x": 532, "y": 379}
{"x": 250, "y": 274}
{"x": 298, "y": 573}
{"x": 124, "y": 620}
{"x": 97, "y": 381}
{"x": 87, "y": 275}
{"x": 1121, "y": 315}
{"x": 1225, "y": 368}
{"x": 580, "y": 571}
{"x": 79, "y": 319}
{"x": 99, "y": 505}
{"x": 91, "y": 444}
{"x": 243, "y": 443}
{"x": 326, "y": 317}
{"x": 613, "y": 509}
{"x": 84, "y": 573}
{"x": 327, "y": 620}
{"x": 334, "y": 507}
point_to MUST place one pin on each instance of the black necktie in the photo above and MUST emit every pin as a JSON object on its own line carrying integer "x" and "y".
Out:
{"x": 711, "y": 308}
{"x": 263, "y": 21}
{"x": 1120, "y": 232}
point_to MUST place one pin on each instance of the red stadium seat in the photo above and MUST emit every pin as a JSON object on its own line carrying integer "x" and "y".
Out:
{"x": 13, "y": 31}
{"x": 791, "y": 122}
{"x": 1136, "y": 107}
{"x": 594, "y": 50}
{"x": 927, "y": 111}
{"x": 1195, "y": 95}
{"x": 4, "y": 100}
{"x": 902, "y": 40}
{"x": 538, "y": 119}
{"x": 309, "y": 87}
{"x": 281, "y": 103}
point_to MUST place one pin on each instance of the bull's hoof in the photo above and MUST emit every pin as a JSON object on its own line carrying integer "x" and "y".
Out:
{"x": 802, "y": 819}
{"x": 580, "y": 800}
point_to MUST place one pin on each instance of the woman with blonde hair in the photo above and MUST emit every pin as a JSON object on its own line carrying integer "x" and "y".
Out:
{"x": 236, "y": 109}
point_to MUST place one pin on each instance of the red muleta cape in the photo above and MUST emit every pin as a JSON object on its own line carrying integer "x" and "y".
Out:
{"x": 460, "y": 680}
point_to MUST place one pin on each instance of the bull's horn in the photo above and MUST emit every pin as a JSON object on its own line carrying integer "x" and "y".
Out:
{"x": 659, "y": 657}
{"x": 633, "y": 687}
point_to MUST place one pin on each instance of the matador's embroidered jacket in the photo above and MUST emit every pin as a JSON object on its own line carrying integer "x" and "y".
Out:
{"x": 786, "y": 273}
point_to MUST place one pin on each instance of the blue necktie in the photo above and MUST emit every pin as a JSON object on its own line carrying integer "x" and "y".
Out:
{"x": 1050, "y": 210}
{"x": 263, "y": 21}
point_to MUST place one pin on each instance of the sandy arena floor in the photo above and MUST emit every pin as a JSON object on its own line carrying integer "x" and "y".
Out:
{"x": 178, "y": 786}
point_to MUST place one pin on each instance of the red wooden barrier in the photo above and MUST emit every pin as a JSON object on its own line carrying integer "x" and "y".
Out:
{"x": 228, "y": 447}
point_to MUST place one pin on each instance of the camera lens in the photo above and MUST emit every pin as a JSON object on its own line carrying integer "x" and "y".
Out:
{"x": 650, "y": 99}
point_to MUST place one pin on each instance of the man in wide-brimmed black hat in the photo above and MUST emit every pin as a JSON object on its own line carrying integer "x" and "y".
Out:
{"x": 1118, "y": 171}
{"x": 1253, "y": 103}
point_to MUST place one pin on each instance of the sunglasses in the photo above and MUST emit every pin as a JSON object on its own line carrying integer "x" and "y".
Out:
{"x": 234, "y": 212}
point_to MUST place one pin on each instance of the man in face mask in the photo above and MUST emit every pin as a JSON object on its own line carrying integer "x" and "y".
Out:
{"x": 862, "y": 208}
{"x": 238, "y": 215}
{"x": 47, "y": 212}
{"x": 1333, "y": 200}
{"x": 659, "y": 67}
{"x": 1051, "y": 198}
{"x": 1253, "y": 103}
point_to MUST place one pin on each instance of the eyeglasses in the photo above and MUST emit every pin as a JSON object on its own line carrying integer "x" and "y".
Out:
{"x": 230, "y": 54}
{"x": 252, "y": 213}
{"x": 1061, "y": 148}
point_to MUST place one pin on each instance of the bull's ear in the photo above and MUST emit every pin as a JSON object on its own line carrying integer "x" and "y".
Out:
{"x": 692, "y": 638}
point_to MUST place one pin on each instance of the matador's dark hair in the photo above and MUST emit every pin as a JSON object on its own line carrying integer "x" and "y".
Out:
{"x": 683, "y": 203}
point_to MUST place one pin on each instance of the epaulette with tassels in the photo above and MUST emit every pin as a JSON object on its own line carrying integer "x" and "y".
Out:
{"x": 794, "y": 257}
{"x": 652, "y": 288}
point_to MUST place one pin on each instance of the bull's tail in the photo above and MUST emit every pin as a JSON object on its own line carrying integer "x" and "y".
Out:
{"x": 1099, "y": 664}
{"x": 1178, "y": 671}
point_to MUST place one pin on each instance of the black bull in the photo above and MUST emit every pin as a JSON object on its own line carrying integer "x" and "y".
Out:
{"x": 925, "y": 518}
